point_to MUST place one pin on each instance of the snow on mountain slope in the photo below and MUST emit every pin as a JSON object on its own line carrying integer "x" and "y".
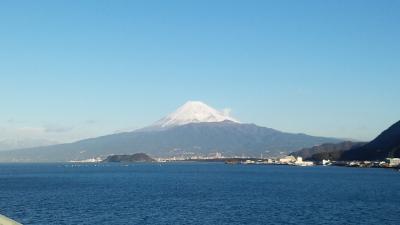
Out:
{"x": 192, "y": 112}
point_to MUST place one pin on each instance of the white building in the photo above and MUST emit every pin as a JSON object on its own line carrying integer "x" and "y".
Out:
{"x": 300, "y": 162}
{"x": 287, "y": 159}
{"x": 393, "y": 162}
{"x": 326, "y": 162}
{"x": 249, "y": 162}
{"x": 299, "y": 159}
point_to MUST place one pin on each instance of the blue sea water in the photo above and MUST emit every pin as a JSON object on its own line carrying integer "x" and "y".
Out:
{"x": 197, "y": 193}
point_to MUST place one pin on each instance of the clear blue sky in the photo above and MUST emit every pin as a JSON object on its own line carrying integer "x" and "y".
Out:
{"x": 75, "y": 69}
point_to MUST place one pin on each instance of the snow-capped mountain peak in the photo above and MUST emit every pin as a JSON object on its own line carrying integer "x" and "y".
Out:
{"x": 193, "y": 112}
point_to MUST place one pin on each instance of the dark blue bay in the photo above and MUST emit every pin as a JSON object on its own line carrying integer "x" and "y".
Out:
{"x": 197, "y": 193}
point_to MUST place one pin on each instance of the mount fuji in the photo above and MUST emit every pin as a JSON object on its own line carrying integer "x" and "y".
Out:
{"x": 193, "y": 129}
{"x": 191, "y": 112}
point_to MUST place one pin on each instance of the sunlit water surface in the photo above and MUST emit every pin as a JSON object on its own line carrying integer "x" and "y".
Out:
{"x": 197, "y": 193}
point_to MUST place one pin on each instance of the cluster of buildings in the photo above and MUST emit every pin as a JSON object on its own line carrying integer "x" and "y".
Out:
{"x": 212, "y": 156}
{"x": 291, "y": 160}
{"x": 286, "y": 160}
{"x": 388, "y": 163}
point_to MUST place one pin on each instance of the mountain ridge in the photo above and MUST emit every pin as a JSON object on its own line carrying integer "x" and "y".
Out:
{"x": 227, "y": 137}
{"x": 385, "y": 145}
{"x": 19, "y": 143}
{"x": 327, "y": 150}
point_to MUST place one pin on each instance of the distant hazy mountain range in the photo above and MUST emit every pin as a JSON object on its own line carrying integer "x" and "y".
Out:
{"x": 19, "y": 143}
{"x": 386, "y": 145}
{"x": 194, "y": 129}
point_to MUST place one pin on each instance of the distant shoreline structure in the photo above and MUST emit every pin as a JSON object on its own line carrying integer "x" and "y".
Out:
{"x": 390, "y": 163}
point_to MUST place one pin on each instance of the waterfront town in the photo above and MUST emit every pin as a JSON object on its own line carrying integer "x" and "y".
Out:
{"x": 289, "y": 160}
{"x": 285, "y": 160}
